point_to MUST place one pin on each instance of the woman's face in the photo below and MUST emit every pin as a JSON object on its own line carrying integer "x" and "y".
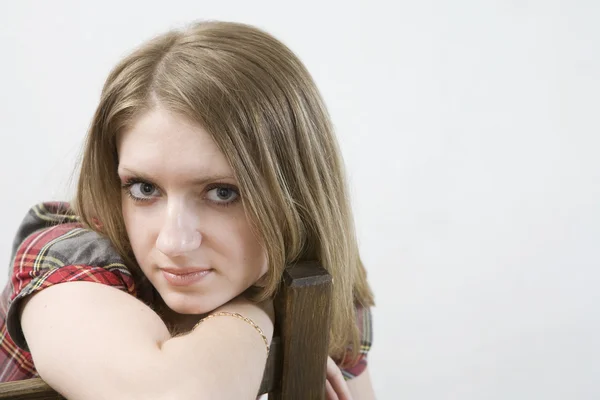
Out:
{"x": 184, "y": 216}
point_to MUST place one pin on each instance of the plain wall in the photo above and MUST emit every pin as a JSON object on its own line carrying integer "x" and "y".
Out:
{"x": 470, "y": 130}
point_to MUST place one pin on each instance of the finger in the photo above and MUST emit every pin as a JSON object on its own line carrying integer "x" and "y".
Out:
{"x": 331, "y": 395}
{"x": 336, "y": 379}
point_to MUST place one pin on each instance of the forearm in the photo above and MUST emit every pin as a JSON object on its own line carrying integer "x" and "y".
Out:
{"x": 361, "y": 387}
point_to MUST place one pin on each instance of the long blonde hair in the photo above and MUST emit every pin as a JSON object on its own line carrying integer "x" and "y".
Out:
{"x": 263, "y": 110}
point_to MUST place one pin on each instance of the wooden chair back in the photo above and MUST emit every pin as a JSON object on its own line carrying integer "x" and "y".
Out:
{"x": 296, "y": 367}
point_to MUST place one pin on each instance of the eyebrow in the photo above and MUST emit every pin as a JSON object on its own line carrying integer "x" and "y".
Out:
{"x": 196, "y": 182}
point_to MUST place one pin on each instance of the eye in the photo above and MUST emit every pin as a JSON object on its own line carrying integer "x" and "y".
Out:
{"x": 141, "y": 191}
{"x": 223, "y": 195}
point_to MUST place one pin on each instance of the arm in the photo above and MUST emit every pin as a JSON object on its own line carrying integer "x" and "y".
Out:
{"x": 109, "y": 345}
{"x": 361, "y": 387}
{"x": 357, "y": 388}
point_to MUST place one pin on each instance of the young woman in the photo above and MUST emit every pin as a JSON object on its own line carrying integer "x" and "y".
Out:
{"x": 209, "y": 166}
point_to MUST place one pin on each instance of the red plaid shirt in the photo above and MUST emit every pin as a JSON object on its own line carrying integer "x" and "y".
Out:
{"x": 52, "y": 247}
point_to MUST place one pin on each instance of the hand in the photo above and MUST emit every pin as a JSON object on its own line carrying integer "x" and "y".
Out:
{"x": 335, "y": 385}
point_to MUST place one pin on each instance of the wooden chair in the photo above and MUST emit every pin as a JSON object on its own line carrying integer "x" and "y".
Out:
{"x": 296, "y": 366}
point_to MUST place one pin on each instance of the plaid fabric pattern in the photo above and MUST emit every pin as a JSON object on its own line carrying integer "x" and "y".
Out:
{"x": 364, "y": 321}
{"x": 52, "y": 247}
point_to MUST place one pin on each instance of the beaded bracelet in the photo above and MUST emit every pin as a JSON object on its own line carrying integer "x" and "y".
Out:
{"x": 239, "y": 316}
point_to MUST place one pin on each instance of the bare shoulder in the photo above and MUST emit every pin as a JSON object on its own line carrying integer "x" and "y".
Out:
{"x": 76, "y": 329}
{"x": 71, "y": 309}
{"x": 84, "y": 301}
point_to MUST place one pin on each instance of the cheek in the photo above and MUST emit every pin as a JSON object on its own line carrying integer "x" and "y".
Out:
{"x": 254, "y": 253}
{"x": 238, "y": 243}
{"x": 260, "y": 255}
{"x": 138, "y": 228}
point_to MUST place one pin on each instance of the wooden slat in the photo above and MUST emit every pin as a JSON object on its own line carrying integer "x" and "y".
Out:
{"x": 29, "y": 389}
{"x": 303, "y": 309}
{"x": 272, "y": 375}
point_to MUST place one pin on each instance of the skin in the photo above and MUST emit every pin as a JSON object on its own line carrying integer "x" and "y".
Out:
{"x": 336, "y": 387}
{"x": 339, "y": 389}
{"x": 181, "y": 207}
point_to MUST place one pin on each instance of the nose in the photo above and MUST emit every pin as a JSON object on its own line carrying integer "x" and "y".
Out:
{"x": 179, "y": 233}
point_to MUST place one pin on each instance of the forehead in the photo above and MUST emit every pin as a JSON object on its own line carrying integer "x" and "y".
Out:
{"x": 164, "y": 143}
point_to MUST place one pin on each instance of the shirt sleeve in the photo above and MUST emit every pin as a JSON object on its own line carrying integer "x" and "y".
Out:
{"x": 364, "y": 322}
{"x": 58, "y": 254}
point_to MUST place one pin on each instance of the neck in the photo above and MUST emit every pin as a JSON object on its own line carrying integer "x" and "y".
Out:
{"x": 176, "y": 323}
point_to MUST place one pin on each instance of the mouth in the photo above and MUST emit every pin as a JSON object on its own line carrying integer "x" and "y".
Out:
{"x": 185, "y": 270}
{"x": 184, "y": 276}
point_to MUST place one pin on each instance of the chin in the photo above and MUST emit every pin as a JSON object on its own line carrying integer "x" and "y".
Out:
{"x": 190, "y": 303}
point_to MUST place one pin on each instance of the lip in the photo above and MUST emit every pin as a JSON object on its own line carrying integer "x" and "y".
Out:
{"x": 184, "y": 270}
{"x": 184, "y": 276}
